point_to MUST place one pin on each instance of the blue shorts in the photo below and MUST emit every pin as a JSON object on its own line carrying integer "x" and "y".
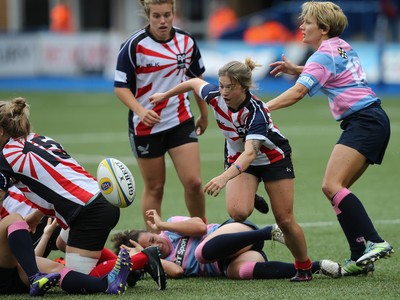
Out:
{"x": 368, "y": 132}
{"x": 156, "y": 145}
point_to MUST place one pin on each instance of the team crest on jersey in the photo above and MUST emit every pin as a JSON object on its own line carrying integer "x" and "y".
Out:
{"x": 181, "y": 60}
{"x": 342, "y": 53}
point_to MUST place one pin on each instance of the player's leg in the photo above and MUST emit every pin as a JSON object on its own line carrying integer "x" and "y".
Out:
{"x": 281, "y": 196}
{"x": 150, "y": 155}
{"x": 16, "y": 246}
{"x": 183, "y": 148}
{"x": 239, "y": 194}
{"x": 232, "y": 239}
{"x": 344, "y": 166}
{"x": 153, "y": 174}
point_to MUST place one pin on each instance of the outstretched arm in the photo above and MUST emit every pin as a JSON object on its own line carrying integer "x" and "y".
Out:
{"x": 202, "y": 120}
{"x": 190, "y": 227}
{"x": 193, "y": 84}
{"x": 288, "y": 98}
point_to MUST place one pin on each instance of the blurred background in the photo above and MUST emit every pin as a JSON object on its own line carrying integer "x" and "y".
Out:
{"x": 73, "y": 44}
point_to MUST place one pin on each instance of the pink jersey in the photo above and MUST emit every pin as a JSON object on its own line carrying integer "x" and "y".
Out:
{"x": 335, "y": 69}
{"x": 147, "y": 66}
{"x": 48, "y": 176}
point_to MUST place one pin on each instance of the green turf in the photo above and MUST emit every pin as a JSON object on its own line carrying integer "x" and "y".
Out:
{"x": 94, "y": 126}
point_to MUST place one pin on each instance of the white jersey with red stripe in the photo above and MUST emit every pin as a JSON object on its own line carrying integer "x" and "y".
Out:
{"x": 16, "y": 202}
{"x": 252, "y": 121}
{"x": 147, "y": 66}
{"x": 55, "y": 182}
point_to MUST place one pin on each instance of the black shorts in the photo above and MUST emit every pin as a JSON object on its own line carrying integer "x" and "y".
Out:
{"x": 156, "y": 145}
{"x": 368, "y": 132}
{"x": 282, "y": 169}
{"x": 91, "y": 228}
{"x": 224, "y": 263}
{"x": 10, "y": 283}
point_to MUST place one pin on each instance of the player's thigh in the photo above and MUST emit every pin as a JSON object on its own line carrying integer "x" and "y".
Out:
{"x": 152, "y": 170}
{"x": 233, "y": 227}
{"x": 240, "y": 192}
{"x": 344, "y": 165}
{"x": 186, "y": 160}
{"x": 281, "y": 196}
{"x": 233, "y": 270}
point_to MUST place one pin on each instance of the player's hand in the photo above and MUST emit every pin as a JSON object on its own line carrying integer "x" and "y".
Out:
{"x": 157, "y": 97}
{"x": 133, "y": 250}
{"x": 154, "y": 221}
{"x": 50, "y": 226}
{"x": 215, "y": 185}
{"x": 149, "y": 117}
{"x": 201, "y": 125}
{"x": 283, "y": 66}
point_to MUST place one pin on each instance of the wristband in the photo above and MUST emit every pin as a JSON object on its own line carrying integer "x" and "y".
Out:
{"x": 238, "y": 167}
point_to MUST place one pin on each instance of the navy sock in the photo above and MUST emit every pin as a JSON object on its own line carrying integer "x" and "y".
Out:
{"x": 357, "y": 245}
{"x": 353, "y": 211}
{"x": 225, "y": 245}
{"x": 273, "y": 270}
{"x": 20, "y": 243}
{"x": 79, "y": 283}
{"x": 278, "y": 270}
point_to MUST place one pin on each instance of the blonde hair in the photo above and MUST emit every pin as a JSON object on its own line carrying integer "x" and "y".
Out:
{"x": 239, "y": 72}
{"x": 329, "y": 16}
{"x": 14, "y": 118}
{"x": 147, "y": 3}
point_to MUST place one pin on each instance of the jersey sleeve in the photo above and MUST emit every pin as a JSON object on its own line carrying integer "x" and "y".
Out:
{"x": 125, "y": 69}
{"x": 208, "y": 92}
{"x": 317, "y": 71}
{"x": 196, "y": 67}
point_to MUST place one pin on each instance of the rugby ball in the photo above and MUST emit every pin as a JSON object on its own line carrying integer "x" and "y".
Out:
{"x": 116, "y": 182}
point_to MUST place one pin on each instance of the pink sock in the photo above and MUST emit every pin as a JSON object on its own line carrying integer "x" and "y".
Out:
{"x": 246, "y": 270}
{"x": 338, "y": 198}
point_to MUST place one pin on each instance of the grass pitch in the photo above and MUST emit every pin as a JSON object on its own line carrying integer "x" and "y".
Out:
{"x": 94, "y": 126}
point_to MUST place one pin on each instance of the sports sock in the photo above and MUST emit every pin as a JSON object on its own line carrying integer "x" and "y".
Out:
{"x": 354, "y": 238}
{"x": 20, "y": 243}
{"x": 303, "y": 265}
{"x": 139, "y": 261}
{"x": 78, "y": 283}
{"x": 354, "y": 213}
{"x": 225, "y": 245}
{"x": 273, "y": 270}
{"x": 106, "y": 254}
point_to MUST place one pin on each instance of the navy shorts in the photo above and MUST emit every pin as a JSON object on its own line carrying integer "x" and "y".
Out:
{"x": 10, "y": 283}
{"x": 368, "y": 132}
{"x": 224, "y": 263}
{"x": 91, "y": 228}
{"x": 282, "y": 169}
{"x": 156, "y": 145}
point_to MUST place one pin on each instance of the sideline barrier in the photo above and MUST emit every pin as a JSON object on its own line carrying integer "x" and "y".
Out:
{"x": 89, "y": 58}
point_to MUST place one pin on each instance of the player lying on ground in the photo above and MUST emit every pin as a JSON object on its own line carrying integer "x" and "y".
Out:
{"x": 191, "y": 248}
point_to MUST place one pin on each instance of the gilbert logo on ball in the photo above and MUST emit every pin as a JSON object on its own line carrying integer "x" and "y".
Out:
{"x": 116, "y": 182}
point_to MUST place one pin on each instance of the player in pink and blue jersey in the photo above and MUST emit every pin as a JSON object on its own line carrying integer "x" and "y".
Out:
{"x": 335, "y": 69}
{"x": 190, "y": 248}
